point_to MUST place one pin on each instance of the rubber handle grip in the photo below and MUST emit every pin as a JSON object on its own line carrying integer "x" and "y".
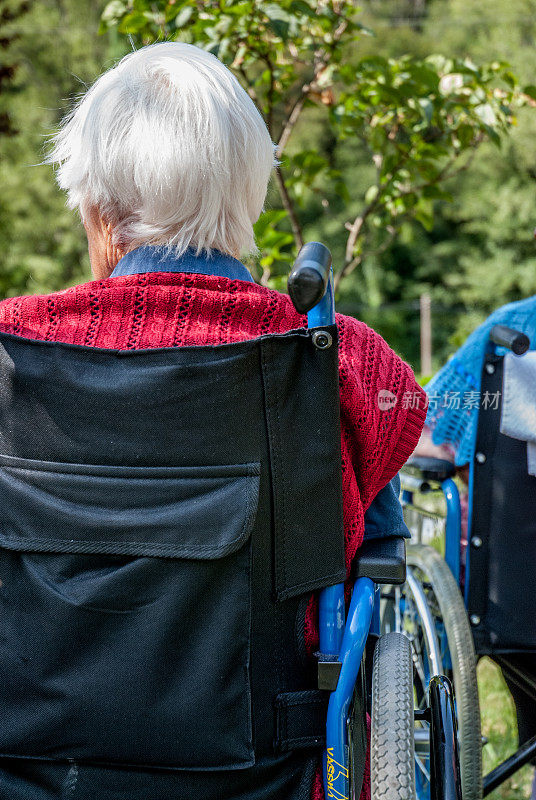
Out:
{"x": 308, "y": 280}
{"x": 513, "y": 340}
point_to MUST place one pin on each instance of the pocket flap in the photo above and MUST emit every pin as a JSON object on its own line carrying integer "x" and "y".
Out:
{"x": 201, "y": 512}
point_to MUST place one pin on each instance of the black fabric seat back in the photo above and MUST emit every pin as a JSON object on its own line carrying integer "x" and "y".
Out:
{"x": 501, "y": 596}
{"x": 164, "y": 517}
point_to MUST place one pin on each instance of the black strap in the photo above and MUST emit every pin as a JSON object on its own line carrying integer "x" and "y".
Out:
{"x": 301, "y": 720}
{"x": 303, "y": 420}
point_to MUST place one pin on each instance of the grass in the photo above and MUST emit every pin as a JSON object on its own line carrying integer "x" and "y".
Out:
{"x": 500, "y": 728}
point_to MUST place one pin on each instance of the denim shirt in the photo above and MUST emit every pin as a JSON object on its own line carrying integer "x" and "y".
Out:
{"x": 155, "y": 259}
{"x": 384, "y": 517}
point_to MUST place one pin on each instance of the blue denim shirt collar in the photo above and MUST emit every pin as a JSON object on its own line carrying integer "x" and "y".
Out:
{"x": 155, "y": 259}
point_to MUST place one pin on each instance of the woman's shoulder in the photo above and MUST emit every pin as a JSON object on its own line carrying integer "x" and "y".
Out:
{"x": 24, "y": 315}
{"x": 218, "y": 309}
{"x": 66, "y": 315}
{"x": 356, "y": 335}
{"x": 36, "y": 316}
{"x": 26, "y": 302}
{"x": 382, "y": 405}
{"x": 368, "y": 354}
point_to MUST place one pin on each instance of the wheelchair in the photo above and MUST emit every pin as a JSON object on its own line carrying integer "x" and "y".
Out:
{"x": 159, "y": 546}
{"x": 454, "y": 615}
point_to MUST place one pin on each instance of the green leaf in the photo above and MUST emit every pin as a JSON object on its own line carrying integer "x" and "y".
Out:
{"x": 465, "y": 134}
{"x": 427, "y": 107}
{"x": 371, "y": 194}
{"x": 424, "y": 213}
{"x": 133, "y": 23}
{"x": 530, "y": 91}
{"x": 493, "y": 135}
{"x": 279, "y": 20}
{"x": 509, "y": 78}
{"x": 268, "y": 219}
{"x": 113, "y": 11}
{"x": 184, "y": 16}
{"x": 486, "y": 113}
{"x": 301, "y": 7}
{"x": 436, "y": 193}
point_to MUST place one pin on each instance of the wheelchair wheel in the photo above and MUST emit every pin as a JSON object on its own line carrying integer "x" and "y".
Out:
{"x": 435, "y": 621}
{"x": 392, "y": 759}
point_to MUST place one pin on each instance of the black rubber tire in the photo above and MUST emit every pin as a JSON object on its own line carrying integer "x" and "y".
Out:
{"x": 462, "y": 652}
{"x": 392, "y": 749}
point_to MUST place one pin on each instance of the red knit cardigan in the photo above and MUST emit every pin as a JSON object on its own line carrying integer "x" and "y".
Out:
{"x": 174, "y": 309}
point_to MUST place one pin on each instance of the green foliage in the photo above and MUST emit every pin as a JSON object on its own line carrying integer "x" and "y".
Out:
{"x": 10, "y": 12}
{"x": 273, "y": 241}
{"x": 390, "y": 159}
{"x": 418, "y": 118}
{"x": 269, "y": 44}
{"x": 56, "y": 47}
{"x": 415, "y": 120}
{"x": 480, "y": 252}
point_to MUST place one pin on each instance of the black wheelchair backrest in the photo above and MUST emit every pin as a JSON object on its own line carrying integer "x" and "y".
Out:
{"x": 164, "y": 516}
{"x": 502, "y": 548}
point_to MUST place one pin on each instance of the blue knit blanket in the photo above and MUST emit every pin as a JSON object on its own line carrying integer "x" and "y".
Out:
{"x": 454, "y": 392}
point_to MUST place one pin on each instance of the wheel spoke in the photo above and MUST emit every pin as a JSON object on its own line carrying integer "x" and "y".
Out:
{"x": 445, "y": 621}
{"x": 422, "y": 768}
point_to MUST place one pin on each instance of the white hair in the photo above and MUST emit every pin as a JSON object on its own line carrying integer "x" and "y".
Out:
{"x": 170, "y": 149}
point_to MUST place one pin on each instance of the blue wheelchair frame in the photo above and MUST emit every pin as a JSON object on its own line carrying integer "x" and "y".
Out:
{"x": 453, "y": 525}
{"x": 344, "y": 641}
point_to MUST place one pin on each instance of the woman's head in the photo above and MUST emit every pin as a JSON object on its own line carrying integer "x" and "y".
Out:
{"x": 166, "y": 148}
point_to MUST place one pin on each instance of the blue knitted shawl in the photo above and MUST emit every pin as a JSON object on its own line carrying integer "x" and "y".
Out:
{"x": 454, "y": 392}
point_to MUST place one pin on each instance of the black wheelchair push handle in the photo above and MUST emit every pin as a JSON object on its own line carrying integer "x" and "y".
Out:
{"x": 515, "y": 341}
{"x": 308, "y": 280}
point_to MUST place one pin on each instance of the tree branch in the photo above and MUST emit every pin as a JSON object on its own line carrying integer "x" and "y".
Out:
{"x": 306, "y": 90}
{"x": 250, "y": 89}
{"x": 351, "y": 261}
{"x": 289, "y": 208}
{"x": 447, "y": 176}
{"x": 288, "y": 127}
{"x": 392, "y": 231}
{"x": 270, "y": 99}
{"x": 346, "y": 270}
{"x": 351, "y": 265}
{"x": 357, "y": 226}
{"x": 292, "y": 120}
{"x": 442, "y": 175}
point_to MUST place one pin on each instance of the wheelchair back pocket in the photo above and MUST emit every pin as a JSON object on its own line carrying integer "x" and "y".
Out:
{"x": 124, "y": 613}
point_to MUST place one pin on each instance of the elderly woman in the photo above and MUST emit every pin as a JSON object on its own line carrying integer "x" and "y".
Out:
{"x": 168, "y": 160}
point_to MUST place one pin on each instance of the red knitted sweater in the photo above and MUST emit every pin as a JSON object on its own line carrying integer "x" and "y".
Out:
{"x": 174, "y": 309}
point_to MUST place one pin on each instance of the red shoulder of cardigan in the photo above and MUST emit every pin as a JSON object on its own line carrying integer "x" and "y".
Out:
{"x": 164, "y": 309}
